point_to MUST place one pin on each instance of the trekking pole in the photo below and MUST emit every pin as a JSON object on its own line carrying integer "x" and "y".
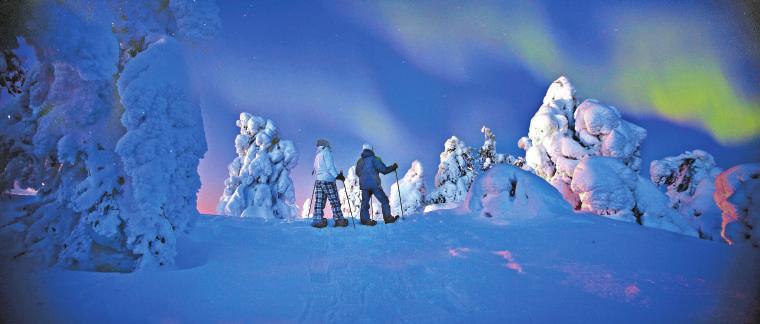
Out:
{"x": 398, "y": 187}
{"x": 348, "y": 201}
{"x": 311, "y": 200}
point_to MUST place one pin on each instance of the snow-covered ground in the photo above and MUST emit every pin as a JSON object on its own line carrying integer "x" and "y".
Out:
{"x": 435, "y": 267}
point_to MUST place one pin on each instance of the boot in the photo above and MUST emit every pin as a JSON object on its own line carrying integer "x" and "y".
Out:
{"x": 369, "y": 222}
{"x": 390, "y": 219}
{"x": 319, "y": 223}
{"x": 341, "y": 222}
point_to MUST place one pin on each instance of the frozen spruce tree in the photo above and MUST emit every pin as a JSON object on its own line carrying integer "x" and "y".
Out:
{"x": 610, "y": 188}
{"x": 456, "y": 171}
{"x": 259, "y": 183}
{"x": 737, "y": 193}
{"x": 412, "y": 187}
{"x": 689, "y": 181}
{"x": 562, "y": 133}
{"x": 105, "y": 130}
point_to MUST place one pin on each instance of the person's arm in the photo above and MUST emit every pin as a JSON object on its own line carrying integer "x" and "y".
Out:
{"x": 382, "y": 168}
{"x": 330, "y": 164}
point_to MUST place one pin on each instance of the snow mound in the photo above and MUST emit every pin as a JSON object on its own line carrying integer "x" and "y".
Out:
{"x": 607, "y": 187}
{"x": 259, "y": 183}
{"x": 509, "y": 194}
{"x": 689, "y": 180}
{"x": 412, "y": 191}
{"x": 737, "y": 193}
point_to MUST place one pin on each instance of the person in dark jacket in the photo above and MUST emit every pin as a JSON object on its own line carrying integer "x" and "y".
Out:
{"x": 368, "y": 169}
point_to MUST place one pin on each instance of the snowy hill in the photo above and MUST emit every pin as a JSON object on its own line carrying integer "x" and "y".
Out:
{"x": 430, "y": 268}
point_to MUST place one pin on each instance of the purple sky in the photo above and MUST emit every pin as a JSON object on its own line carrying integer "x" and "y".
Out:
{"x": 406, "y": 76}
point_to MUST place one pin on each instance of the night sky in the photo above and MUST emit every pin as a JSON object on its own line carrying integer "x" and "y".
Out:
{"x": 406, "y": 76}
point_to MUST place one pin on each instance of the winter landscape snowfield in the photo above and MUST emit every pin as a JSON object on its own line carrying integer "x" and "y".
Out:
{"x": 430, "y": 268}
{"x": 104, "y": 123}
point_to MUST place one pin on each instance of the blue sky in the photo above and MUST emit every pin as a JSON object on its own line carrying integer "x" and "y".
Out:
{"x": 404, "y": 76}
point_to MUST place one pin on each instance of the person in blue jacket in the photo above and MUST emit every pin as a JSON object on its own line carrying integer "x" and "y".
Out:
{"x": 368, "y": 169}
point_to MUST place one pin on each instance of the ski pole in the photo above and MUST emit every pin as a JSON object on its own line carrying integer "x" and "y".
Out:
{"x": 398, "y": 187}
{"x": 348, "y": 201}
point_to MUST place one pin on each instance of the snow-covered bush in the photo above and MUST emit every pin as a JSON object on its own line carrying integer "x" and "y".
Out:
{"x": 259, "y": 183}
{"x": 508, "y": 194}
{"x": 606, "y": 186}
{"x": 106, "y": 135}
{"x": 737, "y": 193}
{"x": 561, "y": 134}
{"x": 689, "y": 180}
{"x": 412, "y": 191}
{"x": 456, "y": 171}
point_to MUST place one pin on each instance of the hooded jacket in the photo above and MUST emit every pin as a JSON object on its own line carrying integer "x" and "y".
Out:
{"x": 368, "y": 169}
{"x": 324, "y": 166}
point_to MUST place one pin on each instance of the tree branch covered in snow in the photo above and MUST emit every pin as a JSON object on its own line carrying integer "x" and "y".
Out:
{"x": 456, "y": 172}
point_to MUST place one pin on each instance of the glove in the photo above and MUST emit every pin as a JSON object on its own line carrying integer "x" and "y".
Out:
{"x": 394, "y": 166}
{"x": 340, "y": 176}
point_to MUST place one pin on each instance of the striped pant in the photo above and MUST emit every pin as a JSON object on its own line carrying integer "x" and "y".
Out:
{"x": 326, "y": 188}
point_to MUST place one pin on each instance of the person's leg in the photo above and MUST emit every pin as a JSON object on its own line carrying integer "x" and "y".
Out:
{"x": 384, "y": 202}
{"x": 332, "y": 195}
{"x": 319, "y": 204}
{"x": 364, "y": 213}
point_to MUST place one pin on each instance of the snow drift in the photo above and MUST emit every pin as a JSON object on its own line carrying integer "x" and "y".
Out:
{"x": 607, "y": 187}
{"x": 508, "y": 194}
{"x": 259, "y": 183}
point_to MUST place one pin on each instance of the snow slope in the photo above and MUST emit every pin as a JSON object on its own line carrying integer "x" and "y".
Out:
{"x": 430, "y": 268}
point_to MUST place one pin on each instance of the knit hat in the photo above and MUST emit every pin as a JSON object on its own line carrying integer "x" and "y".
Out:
{"x": 323, "y": 142}
{"x": 367, "y": 147}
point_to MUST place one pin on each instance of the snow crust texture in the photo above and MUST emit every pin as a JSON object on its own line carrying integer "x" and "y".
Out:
{"x": 259, "y": 183}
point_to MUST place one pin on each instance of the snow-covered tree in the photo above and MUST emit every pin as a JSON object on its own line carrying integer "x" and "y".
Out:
{"x": 456, "y": 171}
{"x": 606, "y": 186}
{"x": 259, "y": 183}
{"x": 737, "y": 193}
{"x": 412, "y": 191}
{"x": 105, "y": 133}
{"x": 689, "y": 180}
{"x": 562, "y": 133}
{"x": 350, "y": 205}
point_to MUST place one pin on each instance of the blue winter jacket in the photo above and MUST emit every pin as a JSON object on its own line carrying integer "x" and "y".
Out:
{"x": 368, "y": 169}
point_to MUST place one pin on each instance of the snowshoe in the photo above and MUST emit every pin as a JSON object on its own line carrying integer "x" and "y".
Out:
{"x": 389, "y": 220}
{"x": 369, "y": 222}
{"x": 342, "y": 222}
{"x": 319, "y": 223}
